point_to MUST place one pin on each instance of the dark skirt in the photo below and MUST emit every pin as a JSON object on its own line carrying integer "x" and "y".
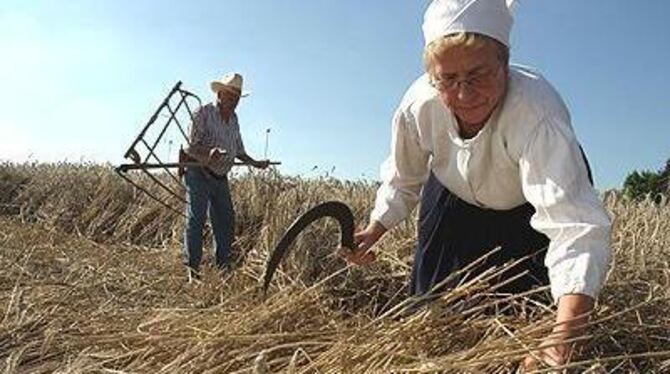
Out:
{"x": 453, "y": 234}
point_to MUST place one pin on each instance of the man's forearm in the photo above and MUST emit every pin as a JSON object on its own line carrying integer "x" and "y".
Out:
{"x": 246, "y": 158}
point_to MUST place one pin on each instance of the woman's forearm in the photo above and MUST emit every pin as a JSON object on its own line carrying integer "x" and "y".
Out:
{"x": 572, "y": 314}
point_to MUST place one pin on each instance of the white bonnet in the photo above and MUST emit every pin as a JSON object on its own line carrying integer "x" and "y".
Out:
{"x": 488, "y": 17}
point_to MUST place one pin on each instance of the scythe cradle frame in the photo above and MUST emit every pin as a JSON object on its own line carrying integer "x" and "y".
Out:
{"x": 151, "y": 161}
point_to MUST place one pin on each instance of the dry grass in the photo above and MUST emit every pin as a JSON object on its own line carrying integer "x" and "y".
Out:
{"x": 91, "y": 281}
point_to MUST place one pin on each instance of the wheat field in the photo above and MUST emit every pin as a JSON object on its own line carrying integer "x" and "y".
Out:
{"x": 91, "y": 281}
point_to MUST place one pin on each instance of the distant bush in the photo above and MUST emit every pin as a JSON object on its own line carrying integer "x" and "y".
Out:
{"x": 639, "y": 185}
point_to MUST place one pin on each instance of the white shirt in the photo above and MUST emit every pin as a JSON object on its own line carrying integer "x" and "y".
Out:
{"x": 209, "y": 130}
{"x": 526, "y": 152}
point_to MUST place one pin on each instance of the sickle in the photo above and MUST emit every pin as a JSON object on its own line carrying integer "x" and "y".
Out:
{"x": 334, "y": 209}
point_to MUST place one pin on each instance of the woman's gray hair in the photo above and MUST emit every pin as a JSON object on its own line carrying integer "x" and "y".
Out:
{"x": 470, "y": 39}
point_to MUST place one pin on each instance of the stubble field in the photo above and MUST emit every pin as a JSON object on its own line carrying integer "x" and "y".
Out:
{"x": 91, "y": 281}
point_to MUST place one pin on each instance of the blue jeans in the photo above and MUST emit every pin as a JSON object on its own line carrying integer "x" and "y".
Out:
{"x": 204, "y": 191}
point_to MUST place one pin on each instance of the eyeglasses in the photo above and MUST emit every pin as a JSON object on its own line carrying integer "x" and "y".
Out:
{"x": 479, "y": 79}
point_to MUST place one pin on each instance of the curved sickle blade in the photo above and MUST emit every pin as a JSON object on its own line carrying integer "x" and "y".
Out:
{"x": 334, "y": 209}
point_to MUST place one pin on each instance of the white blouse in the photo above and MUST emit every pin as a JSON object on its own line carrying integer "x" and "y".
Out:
{"x": 526, "y": 152}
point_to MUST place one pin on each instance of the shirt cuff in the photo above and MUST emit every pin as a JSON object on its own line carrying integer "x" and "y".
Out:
{"x": 559, "y": 290}
{"x": 584, "y": 274}
{"x": 386, "y": 217}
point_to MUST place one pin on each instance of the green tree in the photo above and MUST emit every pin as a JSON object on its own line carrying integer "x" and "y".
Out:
{"x": 639, "y": 185}
{"x": 665, "y": 175}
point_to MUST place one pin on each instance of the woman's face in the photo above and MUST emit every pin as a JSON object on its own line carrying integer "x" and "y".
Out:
{"x": 471, "y": 81}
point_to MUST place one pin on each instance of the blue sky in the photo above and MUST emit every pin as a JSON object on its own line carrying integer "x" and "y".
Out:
{"x": 80, "y": 78}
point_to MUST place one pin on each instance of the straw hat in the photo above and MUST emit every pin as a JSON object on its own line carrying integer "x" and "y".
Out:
{"x": 230, "y": 82}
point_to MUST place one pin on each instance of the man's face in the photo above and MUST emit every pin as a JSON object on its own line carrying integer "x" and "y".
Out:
{"x": 471, "y": 81}
{"x": 228, "y": 99}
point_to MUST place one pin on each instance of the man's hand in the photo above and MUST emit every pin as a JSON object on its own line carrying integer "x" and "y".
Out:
{"x": 262, "y": 164}
{"x": 364, "y": 240}
{"x": 216, "y": 154}
{"x": 570, "y": 321}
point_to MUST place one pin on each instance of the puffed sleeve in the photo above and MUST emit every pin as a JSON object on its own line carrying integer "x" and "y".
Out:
{"x": 569, "y": 212}
{"x": 402, "y": 174}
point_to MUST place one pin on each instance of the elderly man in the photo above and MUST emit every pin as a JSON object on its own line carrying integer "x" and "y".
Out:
{"x": 214, "y": 142}
{"x": 490, "y": 151}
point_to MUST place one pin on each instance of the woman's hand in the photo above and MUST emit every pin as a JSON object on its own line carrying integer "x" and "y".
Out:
{"x": 571, "y": 318}
{"x": 364, "y": 240}
{"x": 553, "y": 352}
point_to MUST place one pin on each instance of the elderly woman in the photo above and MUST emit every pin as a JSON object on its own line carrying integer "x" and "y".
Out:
{"x": 490, "y": 151}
